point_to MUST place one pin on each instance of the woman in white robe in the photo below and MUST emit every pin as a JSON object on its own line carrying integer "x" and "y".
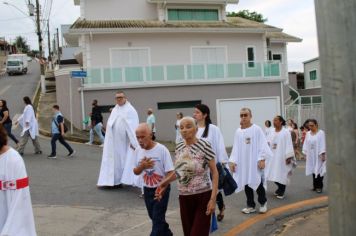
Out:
{"x": 16, "y": 216}
{"x": 314, "y": 149}
{"x": 29, "y": 126}
{"x": 211, "y": 133}
{"x": 279, "y": 167}
{"x": 120, "y": 141}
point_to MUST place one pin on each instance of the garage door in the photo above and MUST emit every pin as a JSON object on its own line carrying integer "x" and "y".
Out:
{"x": 228, "y": 113}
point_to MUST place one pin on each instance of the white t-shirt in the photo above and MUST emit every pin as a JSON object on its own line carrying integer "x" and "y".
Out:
{"x": 163, "y": 164}
{"x": 151, "y": 120}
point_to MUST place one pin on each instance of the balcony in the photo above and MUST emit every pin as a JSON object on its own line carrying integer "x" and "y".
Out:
{"x": 181, "y": 74}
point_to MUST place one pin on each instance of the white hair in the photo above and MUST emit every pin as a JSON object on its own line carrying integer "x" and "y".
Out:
{"x": 190, "y": 119}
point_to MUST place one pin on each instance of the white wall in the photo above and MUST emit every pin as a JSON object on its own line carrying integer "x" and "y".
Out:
{"x": 175, "y": 48}
{"x": 310, "y": 66}
{"x": 118, "y": 9}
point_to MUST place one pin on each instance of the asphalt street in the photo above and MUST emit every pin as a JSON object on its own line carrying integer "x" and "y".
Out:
{"x": 67, "y": 202}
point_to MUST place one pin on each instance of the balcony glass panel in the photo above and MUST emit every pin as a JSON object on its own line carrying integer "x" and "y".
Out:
{"x": 94, "y": 76}
{"x": 196, "y": 72}
{"x": 216, "y": 71}
{"x": 134, "y": 74}
{"x": 253, "y": 69}
{"x": 116, "y": 75}
{"x": 234, "y": 70}
{"x": 155, "y": 73}
{"x": 175, "y": 72}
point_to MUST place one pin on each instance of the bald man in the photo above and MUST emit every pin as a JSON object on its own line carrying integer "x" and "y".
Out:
{"x": 154, "y": 162}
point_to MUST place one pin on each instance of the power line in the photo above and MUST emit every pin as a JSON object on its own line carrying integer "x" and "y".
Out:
{"x": 16, "y": 18}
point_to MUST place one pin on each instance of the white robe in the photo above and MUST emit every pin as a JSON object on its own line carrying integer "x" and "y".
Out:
{"x": 216, "y": 141}
{"x": 28, "y": 116}
{"x": 16, "y": 216}
{"x": 250, "y": 146}
{"x": 282, "y": 148}
{"x": 120, "y": 133}
{"x": 314, "y": 146}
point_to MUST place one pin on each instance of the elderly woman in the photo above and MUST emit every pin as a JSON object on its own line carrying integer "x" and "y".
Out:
{"x": 195, "y": 160}
{"x": 314, "y": 149}
{"x": 16, "y": 216}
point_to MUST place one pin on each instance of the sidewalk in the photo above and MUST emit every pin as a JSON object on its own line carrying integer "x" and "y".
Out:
{"x": 312, "y": 223}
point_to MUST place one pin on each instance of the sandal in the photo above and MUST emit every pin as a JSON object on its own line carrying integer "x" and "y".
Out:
{"x": 221, "y": 215}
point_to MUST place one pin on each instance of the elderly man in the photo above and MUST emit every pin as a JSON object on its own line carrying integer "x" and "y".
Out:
{"x": 249, "y": 153}
{"x": 153, "y": 162}
{"x": 120, "y": 141}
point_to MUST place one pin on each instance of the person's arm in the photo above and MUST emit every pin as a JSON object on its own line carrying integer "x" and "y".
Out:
{"x": 214, "y": 174}
{"x": 6, "y": 115}
{"x": 170, "y": 177}
{"x": 145, "y": 163}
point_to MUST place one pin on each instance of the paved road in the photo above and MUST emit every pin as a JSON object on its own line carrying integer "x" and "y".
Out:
{"x": 67, "y": 202}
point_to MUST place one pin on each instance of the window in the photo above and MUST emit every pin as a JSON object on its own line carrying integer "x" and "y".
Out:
{"x": 177, "y": 105}
{"x": 251, "y": 56}
{"x": 312, "y": 75}
{"x": 208, "y": 62}
{"x": 277, "y": 57}
{"x": 193, "y": 14}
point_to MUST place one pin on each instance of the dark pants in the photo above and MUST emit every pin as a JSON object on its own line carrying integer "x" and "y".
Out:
{"x": 261, "y": 192}
{"x": 318, "y": 182}
{"x": 157, "y": 212}
{"x": 281, "y": 189}
{"x": 7, "y": 127}
{"x": 60, "y": 138}
{"x": 220, "y": 201}
{"x": 192, "y": 212}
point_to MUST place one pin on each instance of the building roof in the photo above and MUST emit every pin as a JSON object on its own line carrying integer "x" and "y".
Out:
{"x": 77, "y": 2}
{"x": 234, "y": 24}
{"x": 311, "y": 60}
{"x": 277, "y": 37}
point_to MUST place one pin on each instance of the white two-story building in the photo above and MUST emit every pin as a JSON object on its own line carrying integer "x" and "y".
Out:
{"x": 172, "y": 54}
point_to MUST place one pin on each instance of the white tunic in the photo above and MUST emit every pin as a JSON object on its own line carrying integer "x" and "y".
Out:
{"x": 216, "y": 141}
{"x": 314, "y": 146}
{"x": 28, "y": 116}
{"x": 120, "y": 133}
{"x": 250, "y": 146}
{"x": 282, "y": 148}
{"x": 16, "y": 216}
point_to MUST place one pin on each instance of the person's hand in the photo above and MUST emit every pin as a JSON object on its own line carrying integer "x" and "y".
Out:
{"x": 261, "y": 164}
{"x": 132, "y": 147}
{"x": 289, "y": 160}
{"x": 62, "y": 133}
{"x": 147, "y": 163}
{"x": 211, "y": 207}
{"x": 160, "y": 190}
{"x": 232, "y": 167}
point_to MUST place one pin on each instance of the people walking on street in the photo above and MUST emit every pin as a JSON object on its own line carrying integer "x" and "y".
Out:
{"x": 16, "y": 215}
{"x": 279, "y": 167}
{"x": 151, "y": 121}
{"x": 119, "y": 144}
{"x": 6, "y": 121}
{"x": 314, "y": 149}
{"x": 29, "y": 126}
{"x": 153, "y": 162}
{"x": 58, "y": 131}
{"x": 178, "y": 135}
{"x": 195, "y": 161}
{"x": 248, "y": 156}
{"x": 96, "y": 125}
{"x": 212, "y": 134}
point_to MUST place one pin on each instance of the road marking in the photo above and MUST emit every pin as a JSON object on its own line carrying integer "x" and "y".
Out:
{"x": 277, "y": 211}
{"x": 2, "y": 91}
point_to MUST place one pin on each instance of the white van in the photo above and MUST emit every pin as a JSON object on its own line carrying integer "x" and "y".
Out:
{"x": 16, "y": 64}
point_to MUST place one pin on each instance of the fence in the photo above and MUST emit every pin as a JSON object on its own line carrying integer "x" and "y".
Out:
{"x": 300, "y": 113}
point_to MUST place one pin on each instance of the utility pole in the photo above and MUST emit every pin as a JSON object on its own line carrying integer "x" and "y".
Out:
{"x": 58, "y": 52}
{"x": 39, "y": 34}
{"x": 336, "y": 34}
{"x": 49, "y": 45}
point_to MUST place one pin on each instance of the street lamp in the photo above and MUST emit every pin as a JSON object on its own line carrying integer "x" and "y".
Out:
{"x": 30, "y": 6}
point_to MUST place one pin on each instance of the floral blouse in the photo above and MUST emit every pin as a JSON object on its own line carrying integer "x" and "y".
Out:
{"x": 191, "y": 167}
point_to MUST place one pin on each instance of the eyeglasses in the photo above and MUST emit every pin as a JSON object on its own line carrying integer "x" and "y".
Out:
{"x": 243, "y": 115}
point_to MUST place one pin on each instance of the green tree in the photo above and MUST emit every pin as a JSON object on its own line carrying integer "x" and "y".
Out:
{"x": 21, "y": 44}
{"x": 248, "y": 15}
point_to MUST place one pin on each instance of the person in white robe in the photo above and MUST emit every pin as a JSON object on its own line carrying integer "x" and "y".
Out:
{"x": 176, "y": 126}
{"x": 29, "y": 125}
{"x": 268, "y": 128}
{"x": 119, "y": 144}
{"x": 314, "y": 149}
{"x": 248, "y": 159}
{"x": 279, "y": 167}
{"x": 16, "y": 215}
{"x": 212, "y": 134}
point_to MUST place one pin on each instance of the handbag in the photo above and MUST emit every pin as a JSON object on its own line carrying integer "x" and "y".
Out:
{"x": 229, "y": 185}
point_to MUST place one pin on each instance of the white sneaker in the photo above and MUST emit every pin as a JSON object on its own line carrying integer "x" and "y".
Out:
{"x": 88, "y": 143}
{"x": 101, "y": 145}
{"x": 263, "y": 208}
{"x": 248, "y": 210}
{"x": 280, "y": 196}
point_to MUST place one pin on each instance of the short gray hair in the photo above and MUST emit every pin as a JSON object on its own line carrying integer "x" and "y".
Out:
{"x": 246, "y": 109}
{"x": 190, "y": 119}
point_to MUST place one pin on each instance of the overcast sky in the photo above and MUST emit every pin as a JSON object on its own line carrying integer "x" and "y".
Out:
{"x": 296, "y": 17}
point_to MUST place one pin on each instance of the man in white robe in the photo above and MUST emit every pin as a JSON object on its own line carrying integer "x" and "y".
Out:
{"x": 29, "y": 126}
{"x": 279, "y": 167}
{"x": 120, "y": 142}
{"x": 247, "y": 161}
{"x": 16, "y": 216}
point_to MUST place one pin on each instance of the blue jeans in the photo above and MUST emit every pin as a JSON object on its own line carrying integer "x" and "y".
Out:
{"x": 59, "y": 137}
{"x": 97, "y": 128}
{"x": 7, "y": 127}
{"x": 157, "y": 212}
